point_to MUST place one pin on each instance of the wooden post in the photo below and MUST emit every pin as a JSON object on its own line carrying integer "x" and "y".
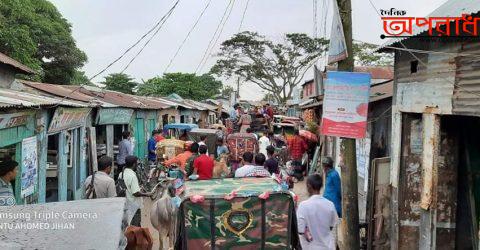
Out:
{"x": 431, "y": 144}
{"x": 110, "y": 144}
{"x": 83, "y": 157}
{"x": 42, "y": 138}
{"x": 394, "y": 175}
{"x": 92, "y": 142}
{"x": 350, "y": 220}
{"x": 18, "y": 179}
{"x": 62, "y": 175}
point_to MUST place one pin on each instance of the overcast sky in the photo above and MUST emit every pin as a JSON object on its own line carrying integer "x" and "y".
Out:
{"x": 105, "y": 28}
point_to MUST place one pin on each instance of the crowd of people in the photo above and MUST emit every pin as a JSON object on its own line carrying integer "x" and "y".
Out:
{"x": 317, "y": 216}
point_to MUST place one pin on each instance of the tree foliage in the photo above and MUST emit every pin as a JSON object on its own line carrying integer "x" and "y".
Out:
{"x": 274, "y": 67}
{"x": 35, "y": 33}
{"x": 227, "y": 91}
{"x": 120, "y": 82}
{"x": 188, "y": 86}
{"x": 364, "y": 55}
{"x": 79, "y": 78}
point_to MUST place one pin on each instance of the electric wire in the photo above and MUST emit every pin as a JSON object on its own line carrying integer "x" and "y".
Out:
{"x": 214, "y": 34}
{"x": 188, "y": 35}
{"x": 169, "y": 13}
{"x": 218, "y": 36}
{"x": 243, "y": 16}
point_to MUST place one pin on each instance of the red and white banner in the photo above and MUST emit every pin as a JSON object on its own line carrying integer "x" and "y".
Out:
{"x": 345, "y": 104}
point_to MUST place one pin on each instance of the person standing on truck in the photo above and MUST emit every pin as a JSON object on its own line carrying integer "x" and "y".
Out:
{"x": 244, "y": 122}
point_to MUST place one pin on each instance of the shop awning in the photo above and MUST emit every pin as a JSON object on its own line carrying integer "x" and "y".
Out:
{"x": 114, "y": 116}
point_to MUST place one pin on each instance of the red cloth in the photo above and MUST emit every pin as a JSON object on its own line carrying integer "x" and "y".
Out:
{"x": 204, "y": 166}
{"x": 297, "y": 147}
{"x": 159, "y": 138}
{"x": 270, "y": 112}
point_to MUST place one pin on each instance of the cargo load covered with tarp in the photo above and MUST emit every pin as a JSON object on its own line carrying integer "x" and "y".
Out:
{"x": 247, "y": 213}
{"x": 212, "y": 136}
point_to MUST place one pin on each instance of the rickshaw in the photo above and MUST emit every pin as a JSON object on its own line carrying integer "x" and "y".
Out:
{"x": 212, "y": 136}
{"x": 239, "y": 143}
{"x": 237, "y": 213}
{"x": 285, "y": 129}
{"x": 176, "y": 130}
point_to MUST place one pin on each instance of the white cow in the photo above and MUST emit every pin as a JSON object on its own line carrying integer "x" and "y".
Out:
{"x": 163, "y": 215}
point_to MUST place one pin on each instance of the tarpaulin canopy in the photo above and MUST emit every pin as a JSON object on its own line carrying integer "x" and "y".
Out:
{"x": 237, "y": 213}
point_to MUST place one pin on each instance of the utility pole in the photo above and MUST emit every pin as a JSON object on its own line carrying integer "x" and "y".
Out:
{"x": 238, "y": 89}
{"x": 350, "y": 220}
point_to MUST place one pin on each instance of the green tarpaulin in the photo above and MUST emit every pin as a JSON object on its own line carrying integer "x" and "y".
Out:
{"x": 244, "y": 222}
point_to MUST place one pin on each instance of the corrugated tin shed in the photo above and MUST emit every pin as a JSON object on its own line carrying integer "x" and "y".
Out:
{"x": 452, "y": 8}
{"x": 62, "y": 91}
{"x": 378, "y": 92}
{"x": 377, "y": 72}
{"x": 16, "y": 99}
{"x": 121, "y": 99}
{"x": 20, "y": 68}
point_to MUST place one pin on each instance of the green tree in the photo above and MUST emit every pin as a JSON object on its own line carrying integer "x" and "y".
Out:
{"x": 365, "y": 56}
{"x": 227, "y": 91}
{"x": 275, "y": 67}
{"x": 186, "y": 85}
{"x": 80, "y": 78}
{"x": 35, "y": 33}
{"x": 120, "y": 82}
{"x": 268, "y": 97}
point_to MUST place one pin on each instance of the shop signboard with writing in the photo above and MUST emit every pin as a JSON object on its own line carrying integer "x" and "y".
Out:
{"x": 114, "y": 116}
{"x": 13, "y": 120}
{"x": 68, "y": 118}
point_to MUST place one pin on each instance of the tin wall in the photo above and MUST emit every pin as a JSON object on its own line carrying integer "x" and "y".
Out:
{"x": 466, "y": 96}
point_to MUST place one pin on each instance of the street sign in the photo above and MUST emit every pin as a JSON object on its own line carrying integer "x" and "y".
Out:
{"x": 345, "y": 104}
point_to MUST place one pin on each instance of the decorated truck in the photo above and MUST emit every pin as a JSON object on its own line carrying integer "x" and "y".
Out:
{"x": 233, "y": 213}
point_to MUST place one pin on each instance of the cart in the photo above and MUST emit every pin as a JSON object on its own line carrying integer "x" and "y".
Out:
{"x": 176, "y": 130}
{"x": 285, "y": 129}
{"x": 239, "y": 143}
{"x": 245, "y": 213}
{"x": 212, "y": 136}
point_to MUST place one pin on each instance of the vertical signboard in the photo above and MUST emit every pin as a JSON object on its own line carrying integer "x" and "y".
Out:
{"x": 29, "y": 166}
{"x": 345, "y": 105}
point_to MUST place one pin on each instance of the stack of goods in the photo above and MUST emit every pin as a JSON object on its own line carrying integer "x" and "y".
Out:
{"x": 309, "y": 115}
{"x": 169, "y": 148}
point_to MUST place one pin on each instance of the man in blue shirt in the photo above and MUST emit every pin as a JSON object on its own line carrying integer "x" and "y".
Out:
{"x": 152, "y": 147}
{"x": 333, "y": 187}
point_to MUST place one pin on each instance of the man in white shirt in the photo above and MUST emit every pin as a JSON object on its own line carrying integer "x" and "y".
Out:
{"x": 203, "y": 141}
{"x": 316, "y": 218}
{"x": 247, "y": 167}
{"x": 103, "y": 184}
{"x": 133, "y": 192}
{"x": 263, "y": 143}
